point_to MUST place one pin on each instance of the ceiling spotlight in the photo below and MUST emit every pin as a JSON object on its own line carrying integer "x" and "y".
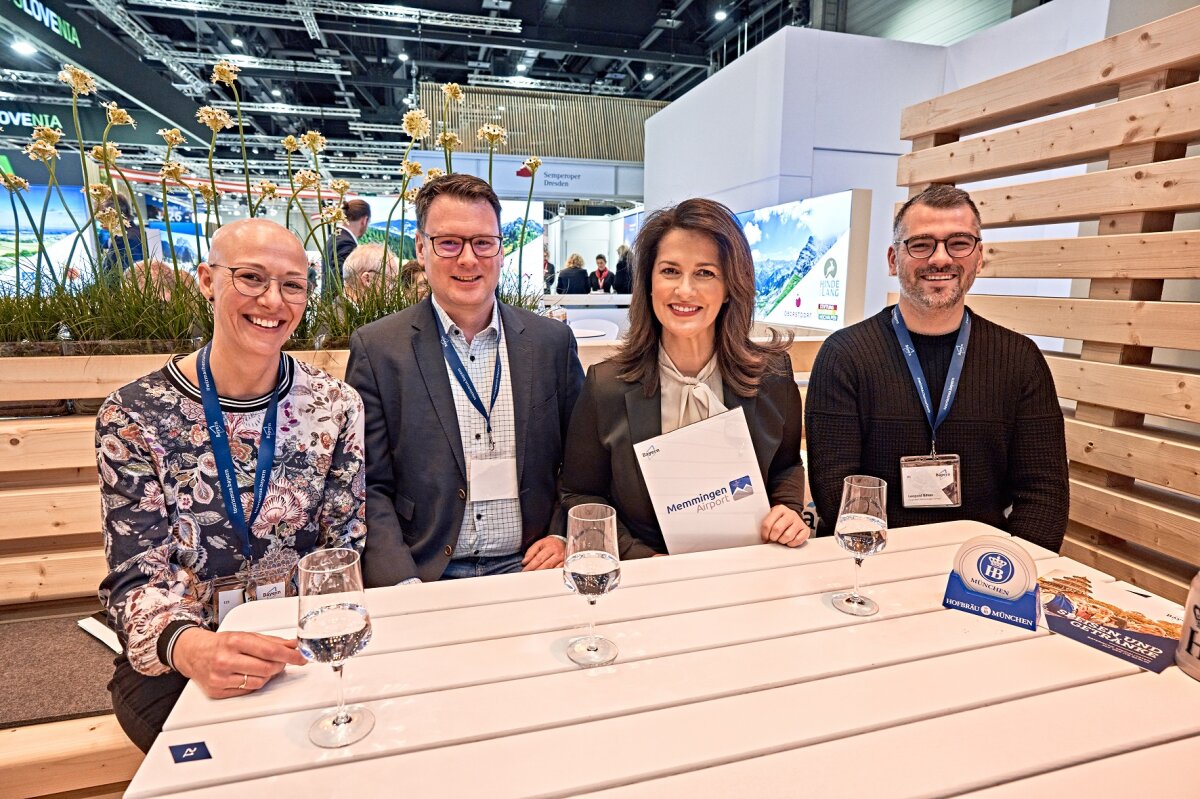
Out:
{"x": 721, "y": 15}
{"x": 403, "y": 57}
{"x": 649, "y": 76}
{"x": 236, "y": 42}
{"x": 521, "y": 67}
{"x": 254, "y": 150}
{"x": 276, "y": 93}
{"x": 24, "y": 47}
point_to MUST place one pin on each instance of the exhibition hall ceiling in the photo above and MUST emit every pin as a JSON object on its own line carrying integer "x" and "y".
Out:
{"x": 343, "y": 65}
{"x": 352, "y": 69}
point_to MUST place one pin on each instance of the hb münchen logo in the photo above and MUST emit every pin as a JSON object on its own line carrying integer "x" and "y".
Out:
{"x": 995, "y": 567}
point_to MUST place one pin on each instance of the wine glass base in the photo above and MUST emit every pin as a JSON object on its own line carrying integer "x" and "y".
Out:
{"x": 855, "y": 604}
{"x": 328, "y": 735}
{"x": 591, "y": 650}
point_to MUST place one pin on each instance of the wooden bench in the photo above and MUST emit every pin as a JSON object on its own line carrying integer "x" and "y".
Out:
{"x": 1135, "y": 482}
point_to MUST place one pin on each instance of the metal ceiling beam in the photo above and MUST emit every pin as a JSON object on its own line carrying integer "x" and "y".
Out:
{"x": 517, "y": 82}
{"x": 287, "y": 109}
{"x": 114, "y": 66}
{"x": 303, "y": 11}
{"x": 120, "y": 17}
{"x": 256, "y": 64}
{"x": 693, "y": 57}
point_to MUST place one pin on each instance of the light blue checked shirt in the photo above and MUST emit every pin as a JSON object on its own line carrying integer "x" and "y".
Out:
{"x": 491, "y": 528}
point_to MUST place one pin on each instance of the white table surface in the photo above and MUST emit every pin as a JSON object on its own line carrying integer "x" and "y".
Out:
{"x": 586, "y": 332}
{"x": 736, "y": 678}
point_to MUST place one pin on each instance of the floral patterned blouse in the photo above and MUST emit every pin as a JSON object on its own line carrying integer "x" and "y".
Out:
{"x": 166, "y": 532}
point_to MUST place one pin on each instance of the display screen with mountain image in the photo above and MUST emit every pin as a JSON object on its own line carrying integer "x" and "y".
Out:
{"x": 512, "y": 212}
{"x": 801, "y": 255}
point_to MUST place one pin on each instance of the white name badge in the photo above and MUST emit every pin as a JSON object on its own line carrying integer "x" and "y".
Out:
{"x": 930, "y": 481}
{"x": 493, "y": 478}
{"x": 227, "y": 600}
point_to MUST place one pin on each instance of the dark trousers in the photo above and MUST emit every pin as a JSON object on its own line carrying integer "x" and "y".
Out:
{"x": 143, "y": 703}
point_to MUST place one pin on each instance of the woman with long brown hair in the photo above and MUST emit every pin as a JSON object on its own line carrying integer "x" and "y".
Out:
{"x": 687, "y": 356}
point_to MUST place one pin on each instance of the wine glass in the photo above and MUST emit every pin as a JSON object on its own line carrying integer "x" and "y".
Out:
{"x": 861, "y": 530}
{"x": 334, "y": 625}
{"x": 592, "y": 568}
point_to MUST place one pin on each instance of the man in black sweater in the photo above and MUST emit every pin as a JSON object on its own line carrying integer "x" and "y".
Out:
{"x": 1004, "y": 422}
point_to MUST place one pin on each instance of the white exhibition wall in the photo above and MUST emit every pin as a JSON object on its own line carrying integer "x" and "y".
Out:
{"x": 811, "y": 112}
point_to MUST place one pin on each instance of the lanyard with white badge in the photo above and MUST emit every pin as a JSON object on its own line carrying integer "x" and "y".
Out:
{"x": 489, "y": 478}
{"x": 229, "y": 592}
{"x": 932, "y": 481}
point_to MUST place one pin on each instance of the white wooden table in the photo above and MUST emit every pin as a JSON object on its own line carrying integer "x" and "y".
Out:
{"x": 736, "y": 678}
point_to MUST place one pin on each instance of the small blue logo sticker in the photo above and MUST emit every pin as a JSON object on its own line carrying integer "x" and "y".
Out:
{"x": 185, "y": 753}
{"x": 741, "y": 487}
{"x": 995, "y": 568}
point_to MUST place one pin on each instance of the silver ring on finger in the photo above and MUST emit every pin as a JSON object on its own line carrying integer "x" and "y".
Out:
{"x": 245, "y": 679}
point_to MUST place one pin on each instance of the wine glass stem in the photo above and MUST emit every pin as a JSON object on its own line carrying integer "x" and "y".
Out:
{"x": 342, "y": 716}
{"x": 857, "y": 566}
{"x": 591, "y": 633}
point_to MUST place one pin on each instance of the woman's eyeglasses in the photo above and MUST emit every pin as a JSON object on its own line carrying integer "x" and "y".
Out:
{"x": 251, "y": 282}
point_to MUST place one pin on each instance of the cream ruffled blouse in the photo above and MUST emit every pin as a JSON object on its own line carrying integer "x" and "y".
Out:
{"x": 685, "y": 400}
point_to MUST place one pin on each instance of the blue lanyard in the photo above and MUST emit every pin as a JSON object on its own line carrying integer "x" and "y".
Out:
{"x": 214, "y": 419}
{"x": 464, "y": 379}
{"x": 918, "y": 375}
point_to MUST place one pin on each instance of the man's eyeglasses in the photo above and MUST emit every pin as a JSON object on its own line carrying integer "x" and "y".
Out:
{"x": 251, "y": 282}
{"x": 452, "y": 246}
{"x": 958, "y": 245}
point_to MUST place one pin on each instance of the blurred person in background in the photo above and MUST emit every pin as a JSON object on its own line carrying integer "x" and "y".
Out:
{"x": 364, "y": 268}
{"x": 340, "y": 245}
{"x": 574, "y": 278}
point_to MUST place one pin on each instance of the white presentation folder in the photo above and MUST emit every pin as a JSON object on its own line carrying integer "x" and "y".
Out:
{"x": 705, "y": 485}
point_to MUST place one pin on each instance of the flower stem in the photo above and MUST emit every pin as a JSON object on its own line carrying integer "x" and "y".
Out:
{"x": 212, "y": 182}
{"x": 170, "y": 238}
{"x": 320, "y": 200}
{"x": 71, "y": 216}
{"x": 387, "y": 230}
{"x": 116, "y": 205}
{"x": 242, "y": 135}
{"x": 287, "y": 215}
{"x": 83, "y": 165}
{"x": 196, "y": 220}
{"x": 12, "y": 198}
{"x": 166, "y": 212}
{"x": 137, "y": 209}
{"x": 521, "y": 240}
{"x": 445, "y": 130}
{"x": 37, "y": 278}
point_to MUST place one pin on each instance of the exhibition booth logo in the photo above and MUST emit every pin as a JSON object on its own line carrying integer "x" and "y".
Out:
{"x": 27, "y": 119}
{"x": 50, "y": 19}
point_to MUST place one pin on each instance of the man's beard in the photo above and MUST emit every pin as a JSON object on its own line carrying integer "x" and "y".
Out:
{"x": 914, "y": 289}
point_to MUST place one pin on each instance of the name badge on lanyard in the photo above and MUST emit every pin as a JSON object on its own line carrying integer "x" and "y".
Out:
{"x": 488, "y": 478}
{"x": 229, "y": 592}
{"x": 933, "y": 480}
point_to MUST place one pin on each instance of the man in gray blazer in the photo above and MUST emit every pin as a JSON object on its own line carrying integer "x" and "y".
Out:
{"x": 466, "y": 405}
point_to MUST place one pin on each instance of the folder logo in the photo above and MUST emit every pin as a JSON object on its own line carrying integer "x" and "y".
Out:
{"x": 185, "y": 753}
{"x": 741, "y": 487}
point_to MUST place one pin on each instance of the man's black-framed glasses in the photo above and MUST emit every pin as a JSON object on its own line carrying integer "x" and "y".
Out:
{"x": 252, "y": 282}
{"x": 958, "y": 245}
{"x": 452, "y": 246}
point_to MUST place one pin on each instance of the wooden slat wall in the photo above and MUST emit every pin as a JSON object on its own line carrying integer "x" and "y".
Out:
{"x": 1135, "y": 487}
{"x": 545, "y": 124}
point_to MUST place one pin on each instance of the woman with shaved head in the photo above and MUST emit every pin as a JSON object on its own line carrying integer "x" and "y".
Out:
{"x": 217, "y": 473}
